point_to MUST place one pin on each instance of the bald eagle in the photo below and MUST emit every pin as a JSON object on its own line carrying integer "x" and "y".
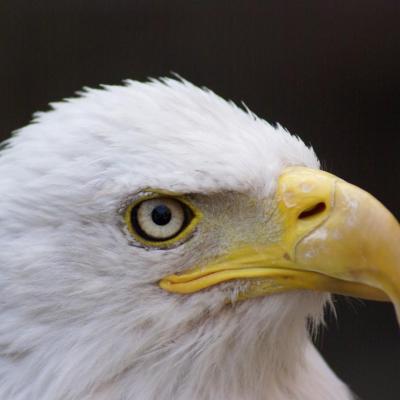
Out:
{"x": 158, "y": 242}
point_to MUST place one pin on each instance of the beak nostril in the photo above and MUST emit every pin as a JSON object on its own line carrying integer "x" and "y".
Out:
{"x": 317, "y": 209}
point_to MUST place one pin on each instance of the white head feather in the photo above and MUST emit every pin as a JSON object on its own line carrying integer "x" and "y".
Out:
{"x": 82, "y": 316}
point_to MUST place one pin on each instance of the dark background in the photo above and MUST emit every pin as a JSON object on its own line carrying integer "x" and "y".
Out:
{"x": 327, "y": 70}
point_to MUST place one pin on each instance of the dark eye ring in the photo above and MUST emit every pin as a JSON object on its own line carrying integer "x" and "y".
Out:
{"x": 161, "y": 221}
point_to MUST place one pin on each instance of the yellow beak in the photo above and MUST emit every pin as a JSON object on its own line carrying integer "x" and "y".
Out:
{"x": 334, "y": 237}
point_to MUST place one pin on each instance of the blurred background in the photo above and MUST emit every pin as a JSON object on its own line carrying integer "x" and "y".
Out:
{"x": 326, "y": 70}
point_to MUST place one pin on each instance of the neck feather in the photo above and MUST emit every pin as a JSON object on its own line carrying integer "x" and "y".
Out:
{"x": 250, "y": 359}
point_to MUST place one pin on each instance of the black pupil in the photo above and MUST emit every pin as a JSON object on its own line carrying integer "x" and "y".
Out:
{"x": 161, "y": 215}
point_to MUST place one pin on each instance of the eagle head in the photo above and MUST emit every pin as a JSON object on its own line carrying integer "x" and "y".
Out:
{"x": 158, "y": 242}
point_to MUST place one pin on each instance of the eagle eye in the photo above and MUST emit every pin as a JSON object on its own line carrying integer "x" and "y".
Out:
{"x": 161, "y": 221}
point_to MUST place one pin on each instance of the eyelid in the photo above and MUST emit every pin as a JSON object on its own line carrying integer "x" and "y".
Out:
{"x": 181, "y": 236}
